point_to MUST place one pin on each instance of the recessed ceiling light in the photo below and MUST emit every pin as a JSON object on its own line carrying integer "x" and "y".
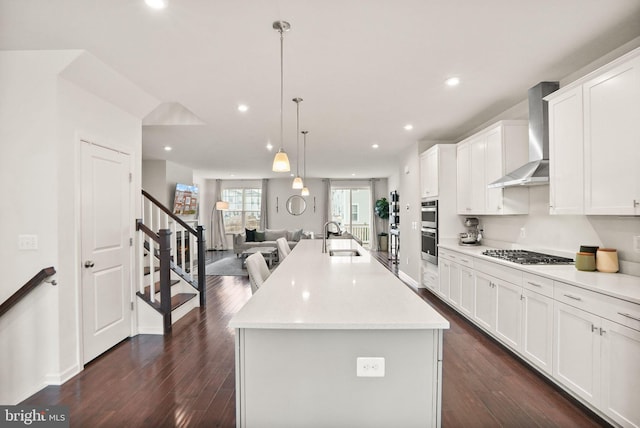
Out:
{"x": 269, "y": 146}
{"x": 243, "y": 108}
{"x": 408, "y": 127}
{"x": 452, "y": 81}
{"x": 157, "y": 4}
{"x": 167, "y": 148}
{"x": 375, "y": 146}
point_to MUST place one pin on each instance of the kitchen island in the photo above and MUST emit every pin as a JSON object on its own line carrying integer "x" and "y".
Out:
{"x": 301, "y": 338}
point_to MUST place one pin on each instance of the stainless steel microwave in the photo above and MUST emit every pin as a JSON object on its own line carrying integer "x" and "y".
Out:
{"x": 429, "y": 214}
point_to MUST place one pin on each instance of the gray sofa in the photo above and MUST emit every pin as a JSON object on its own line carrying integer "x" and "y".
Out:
{"x": 266, "y": 238}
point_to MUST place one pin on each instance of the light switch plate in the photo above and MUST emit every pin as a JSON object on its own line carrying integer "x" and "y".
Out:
{"x": 370, "y": 367}
{"x": 636, "y": 243}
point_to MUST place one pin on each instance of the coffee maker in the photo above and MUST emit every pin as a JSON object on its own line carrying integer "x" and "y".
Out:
{"x": 473, "y": 235}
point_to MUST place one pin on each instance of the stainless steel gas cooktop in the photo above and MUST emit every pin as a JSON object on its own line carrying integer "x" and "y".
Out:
{"x": 525, "y": 257}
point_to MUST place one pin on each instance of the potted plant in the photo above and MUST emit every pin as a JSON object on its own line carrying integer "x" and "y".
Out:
{"x": 381, "y": 208}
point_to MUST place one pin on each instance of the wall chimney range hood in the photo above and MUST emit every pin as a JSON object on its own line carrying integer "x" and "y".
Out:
{"x": 536, "y": 171}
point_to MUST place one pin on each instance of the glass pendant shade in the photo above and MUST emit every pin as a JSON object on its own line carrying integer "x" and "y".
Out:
{"x": 305, "y": 191}
{"x": 297, "y": 183}
{"x": 281, "y": 162}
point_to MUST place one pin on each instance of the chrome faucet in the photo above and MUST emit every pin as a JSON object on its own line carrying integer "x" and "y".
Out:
{"x": 324, "y": 234}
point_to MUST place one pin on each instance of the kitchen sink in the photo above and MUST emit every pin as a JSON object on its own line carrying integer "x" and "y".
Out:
{"x": 344, "y": 253}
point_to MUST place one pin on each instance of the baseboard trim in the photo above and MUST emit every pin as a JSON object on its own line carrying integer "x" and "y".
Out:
{"x": 407, "y": 279}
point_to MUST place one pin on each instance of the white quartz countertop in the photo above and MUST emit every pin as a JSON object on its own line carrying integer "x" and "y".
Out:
{"x": 312, "y": 290}
{"x": 621, "y": 286}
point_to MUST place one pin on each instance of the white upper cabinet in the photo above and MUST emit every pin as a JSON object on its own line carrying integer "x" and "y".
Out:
{"x": 612, "y": 141}
{"x": 594, "y": 142}
{"x": 429, "y": 173}
{"x": 484, "y": 158}
{"x": 566, "y": 168}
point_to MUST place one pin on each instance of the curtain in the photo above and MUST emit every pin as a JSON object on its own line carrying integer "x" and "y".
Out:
{"x": 373, "y": 240}
{"x": 264, "y": 221}
{"x": 218, "y": 236}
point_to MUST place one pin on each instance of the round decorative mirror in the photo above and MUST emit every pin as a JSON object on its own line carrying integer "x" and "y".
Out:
{"x": 296, "y": 205}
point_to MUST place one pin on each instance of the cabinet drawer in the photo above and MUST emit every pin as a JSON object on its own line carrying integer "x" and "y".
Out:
{"x": 505, "y": 273}
{"x": 538, "y": 284}
{"x": 456, "y": 257}
{"x": 430, "y": 279}
{"x": 617, "y": 310}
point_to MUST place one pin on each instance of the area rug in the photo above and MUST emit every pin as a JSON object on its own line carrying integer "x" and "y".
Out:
{"x": 229, "y": 266}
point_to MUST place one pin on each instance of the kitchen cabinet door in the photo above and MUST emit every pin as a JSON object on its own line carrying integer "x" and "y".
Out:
{"x": 485, "y": 301}
{"x": 494, "y": 169}
{"x": 611, "y": 139}
{"x": 508, "y": 312}
{"x": 621, "y": 373}
{"x": 537, "y": 330}
{"x": 566, "y": 169}
{"x": 478, "y": 183}
{"x": 463, "y": 178}
{"x": 467, "y": 291}
{"x": 454, "y": 285}
{"x": 429, "y": 173}
{"x": 576, "y": 355}
{"x": 444, "y": 274}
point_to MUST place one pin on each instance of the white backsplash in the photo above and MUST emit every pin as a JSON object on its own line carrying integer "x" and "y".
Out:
{"x": 563, "y": 234}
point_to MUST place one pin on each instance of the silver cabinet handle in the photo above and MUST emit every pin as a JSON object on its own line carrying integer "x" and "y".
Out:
{"x": 89, "y": 264}
{"x": 629, "y": 316}
{"x": 593, "y": 328}
{"x": 465, "y": 260}
{"x": 602, "y": 331}
{"x": 535, "y": 285}
{"x": 636, "y": 203}
{"x": 572, "y": 297}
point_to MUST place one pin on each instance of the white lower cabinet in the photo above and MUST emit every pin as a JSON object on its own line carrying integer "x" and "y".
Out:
{"x": 508, "y": 313}
{"x": 537, "y": 330}
{"x": 467, "y": 291}
{"x": 587, "y": 342}
{"x": 485, "y": 303}
{"x": 599, "y": 360}
{"x": 620, "y": 374}
{"x": 576, "y": 358}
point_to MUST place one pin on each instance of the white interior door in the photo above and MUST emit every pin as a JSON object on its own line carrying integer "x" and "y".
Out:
{"x": 105, "y": 217}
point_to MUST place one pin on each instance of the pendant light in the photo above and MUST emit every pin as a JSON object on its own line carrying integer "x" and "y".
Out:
{"x": 305, "y": 189}
{"x": 297, "y": 182}
{"x": 281, "y": 160}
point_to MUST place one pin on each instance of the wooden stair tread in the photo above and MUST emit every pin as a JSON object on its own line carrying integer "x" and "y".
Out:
{"x": 176, "y": 301}
{"x": 147, "y": 269}
{"x": 147, "y": 289}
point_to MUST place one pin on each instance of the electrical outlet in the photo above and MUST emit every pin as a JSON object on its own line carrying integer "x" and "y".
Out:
{"x": 370, "y": 367}
{"x": 636, "y": 243}
{"x": 523, "y": 232}
{"x": 27, "y": 242}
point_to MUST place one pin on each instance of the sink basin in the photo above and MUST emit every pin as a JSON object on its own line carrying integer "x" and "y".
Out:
{"x": 344, "y": 253}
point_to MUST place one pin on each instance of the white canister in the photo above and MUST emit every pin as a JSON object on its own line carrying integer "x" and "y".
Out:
{"x": 607, "y": 260}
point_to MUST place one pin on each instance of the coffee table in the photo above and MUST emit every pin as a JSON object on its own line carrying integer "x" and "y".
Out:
{"x": 270, "y": 254}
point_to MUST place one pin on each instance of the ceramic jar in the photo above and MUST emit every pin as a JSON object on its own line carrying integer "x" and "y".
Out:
{"x": 585, "y": 261}
{"x": 607, "y": 260}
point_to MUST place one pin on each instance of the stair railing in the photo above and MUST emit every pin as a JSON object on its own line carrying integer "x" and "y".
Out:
{"x": 37, "y": 279}
{"x": 188, "y": 245}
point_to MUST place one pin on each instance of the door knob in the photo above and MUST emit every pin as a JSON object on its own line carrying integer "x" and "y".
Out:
{"x": 89, "y": 264}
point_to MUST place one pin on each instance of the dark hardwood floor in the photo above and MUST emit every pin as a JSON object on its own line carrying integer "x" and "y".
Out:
{"x": 187, "y": 379}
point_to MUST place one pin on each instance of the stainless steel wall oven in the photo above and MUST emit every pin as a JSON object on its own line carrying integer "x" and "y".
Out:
{"x": 429, "y": 231}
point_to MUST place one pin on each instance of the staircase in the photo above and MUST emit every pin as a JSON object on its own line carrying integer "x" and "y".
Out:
{"x": 171, "y": 256}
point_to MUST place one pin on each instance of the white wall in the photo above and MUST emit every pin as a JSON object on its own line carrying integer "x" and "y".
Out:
{"x": 310, "y": 220}
{"x": 564, "y": 233}
{"x": 42, "y": 117}
{"x": 154, "y": 179}
{"x": 409, "y": 196}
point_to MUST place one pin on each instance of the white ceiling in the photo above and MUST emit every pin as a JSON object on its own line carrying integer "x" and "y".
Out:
{"x": 364, "y": 68}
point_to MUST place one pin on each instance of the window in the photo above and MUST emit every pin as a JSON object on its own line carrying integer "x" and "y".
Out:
{"x": 354, "y": 213}
{"x": 244, "y": 209}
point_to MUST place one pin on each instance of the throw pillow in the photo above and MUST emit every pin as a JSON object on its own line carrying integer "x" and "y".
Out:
{"x": 274, "y": 234}
{"x": 250, "y": 235}
{"x": 259, "y": 236}
{"x": 294, "y": 235}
